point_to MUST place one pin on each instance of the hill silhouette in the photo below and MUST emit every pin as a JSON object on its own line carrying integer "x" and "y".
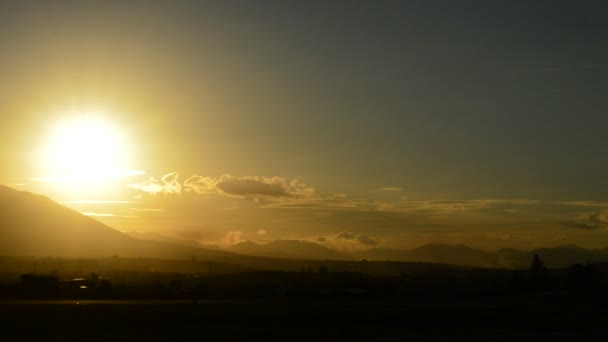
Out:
{"x": 153, "y": 236}
{"x": 289, "y": 249}
{"x": 442, "y": 254}
{"x": 34, "y": 225}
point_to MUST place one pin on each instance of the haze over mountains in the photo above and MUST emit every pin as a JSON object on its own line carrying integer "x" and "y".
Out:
{"x": 291, "y": 249}
{"x": 33, "y": 225}
{"x": 561, "y": 256}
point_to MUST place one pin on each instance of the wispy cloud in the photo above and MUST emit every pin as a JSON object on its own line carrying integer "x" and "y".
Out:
{"x": 168, "y": 184}
{"x": 392, "y": 189}
{"x": 346, "y": 236}
{"x": 89, "y": 213}
{"x": 148, "y": 209}
{"x": 590, "y": 221}
{"x": 100, "y": 202}
{"x": 362, "y": 239}
{"x": 233, "y": 238}
{"x": 366, "y": 240}
{"x": 583, "y": 203}
{"x": 436, "y": 206}
{"x": 347, "y": 241}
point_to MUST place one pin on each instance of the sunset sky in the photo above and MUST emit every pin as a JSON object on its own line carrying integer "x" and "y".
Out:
{"x": 355, "y": 124}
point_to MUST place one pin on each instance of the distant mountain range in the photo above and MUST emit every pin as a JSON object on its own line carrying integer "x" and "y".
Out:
{"x": 33, "y": 225}
{"x": 290, "y": 249}
{"x": 153, "y": 236}
{"x": 443, "y": 254}
{"x": 556, "y": 257}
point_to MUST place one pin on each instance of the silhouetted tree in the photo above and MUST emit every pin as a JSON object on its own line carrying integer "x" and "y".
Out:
{"x": 539, "y": 277}
{"x": 537, "y": 268}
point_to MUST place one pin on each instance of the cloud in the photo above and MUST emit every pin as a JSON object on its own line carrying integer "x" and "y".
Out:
{"x": 89, "y": 213}
{"x": 261, "y": 232}
{"x": 366, "y": 240}
{"x": 254, "y": 186}
{"x": 347, "y": 241}
{"x": 393, "y": 189}
{"x": 168, "y": 184}
{"x": 94, "y": 214}
{"x": 200, "y": 184}
{"x": 171, "y": 184}
{"x": 265, "y": 187}
{"x": 100, "y": 202}
{"x": 233, "y": 238}
{"x": 228, "y": 185}
{"x": 346, "y": 236}
{"x": 583, "y": 203}
{"x": 284, "y": 193}
{"x": 591, "y": 221}
{"x": 159, "y": 210}
{"x": 426, "y": 207}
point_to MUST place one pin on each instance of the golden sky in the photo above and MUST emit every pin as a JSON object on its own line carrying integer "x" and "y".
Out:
{"x": 401, "y": 125}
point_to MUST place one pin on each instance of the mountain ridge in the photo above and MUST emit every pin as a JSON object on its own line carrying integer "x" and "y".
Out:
{"x": 34, "y": 225}
{"x": 290, "y": 249}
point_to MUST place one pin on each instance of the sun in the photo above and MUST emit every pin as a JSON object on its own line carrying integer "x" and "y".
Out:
{"x": 85, "y": 150}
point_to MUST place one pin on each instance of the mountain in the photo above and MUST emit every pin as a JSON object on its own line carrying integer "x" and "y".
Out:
{"x": 288, "y": 249}
{"x": 555, "y": 257}
{"x": 34, "y": 225}
{"x": 454, "y": 254}
{"x": 443, "y": 254}
{"x": 153, "y": 236}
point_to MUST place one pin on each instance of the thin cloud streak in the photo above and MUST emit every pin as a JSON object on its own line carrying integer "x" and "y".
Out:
{"x": 100, "y": 202}
{"x": 89, "y": 213}
{"x": 148, "y": 209}
{"x": 113, "y": 174}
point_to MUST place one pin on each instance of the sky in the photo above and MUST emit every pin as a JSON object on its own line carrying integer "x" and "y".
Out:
{"x": 400, "y": 123}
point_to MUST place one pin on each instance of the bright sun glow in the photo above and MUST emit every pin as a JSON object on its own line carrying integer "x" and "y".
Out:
{"x": 85, "y": 150}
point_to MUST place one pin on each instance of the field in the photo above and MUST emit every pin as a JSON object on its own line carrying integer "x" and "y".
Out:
{"x": 303, "y": 319}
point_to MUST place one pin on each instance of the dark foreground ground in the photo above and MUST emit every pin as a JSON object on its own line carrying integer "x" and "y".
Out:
{"x": 422, "y": 302}
{"x": 530, "y": 318}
